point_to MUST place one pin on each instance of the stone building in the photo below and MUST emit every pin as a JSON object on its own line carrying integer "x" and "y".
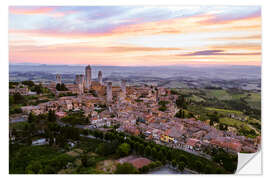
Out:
{"x": 100, "y": 77}
{"x": 58, "y": 79}
{"x": 88, "y": 77}
{"x": 123, "y": 87}
{"x": 109, "y": 92}
{"x": 77, "y": 79}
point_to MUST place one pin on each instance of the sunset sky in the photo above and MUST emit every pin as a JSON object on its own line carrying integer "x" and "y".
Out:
{"x": 135, "y": 35}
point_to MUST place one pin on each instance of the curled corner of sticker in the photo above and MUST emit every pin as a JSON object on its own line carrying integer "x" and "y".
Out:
{"x": 249, "y": 163}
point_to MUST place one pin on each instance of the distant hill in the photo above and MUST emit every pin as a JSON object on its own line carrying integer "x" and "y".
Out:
{"x": 204, "y": 72}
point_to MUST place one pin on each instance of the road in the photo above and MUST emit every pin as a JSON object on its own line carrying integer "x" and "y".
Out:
{"x": 187, "y": 150}
{"x": 60, "y": 123}
{"x": 18, "y": 119}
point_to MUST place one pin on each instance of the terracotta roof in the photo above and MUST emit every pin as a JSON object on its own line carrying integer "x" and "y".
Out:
{"x": 192, "y": 142}
{"x": 60, "y": 114}
{"x": 248, "y": 149}
{"x": 236, "y": 146}
{"x": 140, "y": 162}
{"x": 174, "y": 132}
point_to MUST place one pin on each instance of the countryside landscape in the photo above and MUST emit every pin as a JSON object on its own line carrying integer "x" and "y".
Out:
{"x": 133, "y": 90}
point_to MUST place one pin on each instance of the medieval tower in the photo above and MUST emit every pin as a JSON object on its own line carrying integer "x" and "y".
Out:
{"x": 109, "y": 92}
{"x": 58, "y": 79}
{"x": 88, "y": 77}
{"x": 100, "y": 77}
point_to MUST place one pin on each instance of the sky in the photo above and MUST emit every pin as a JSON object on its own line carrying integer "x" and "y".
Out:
{"x": 135, "y": 35}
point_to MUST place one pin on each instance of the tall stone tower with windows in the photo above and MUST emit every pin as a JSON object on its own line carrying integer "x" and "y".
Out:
{"x": 77, "y": 79}
{"x": 58, "y": 79}
{"x": 123, "y": 87}
{"x": 109, "y": 92}
{"x": 100, "y": 77}
{"x": 81, "y": 84}
{"x": 88, "y": 77}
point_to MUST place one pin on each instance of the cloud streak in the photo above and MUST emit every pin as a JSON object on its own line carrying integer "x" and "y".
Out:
{"x": 217, "y": 53}
{"x": 30, "y": 10}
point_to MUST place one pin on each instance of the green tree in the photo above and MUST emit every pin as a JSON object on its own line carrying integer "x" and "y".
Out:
{"x": 179, "y": 114}
{"x": 123, "y": 149}
{"x": 199, "y": 165}
{"x": 38, "y": 89}
{"x": 11, "y": 100}
{"x": 182, "y": 158}
{"x": 106, "y": 149}
{"x": 144, "y": 169}
{"x": 208, "y": 169}
{"x": 58, "y": 87}
{"x": 181, "y": 166}
{"x": 61, "y": 87}
{"x": 61, "y": 140}
{"x": 18, "y": 98}
{"x": 33, "y": 167}
{"x": 154, "y": 153}
{"x": 162, "y": 108}
{"x": 147, "y": 150}
{"x": 174, "y": 163}
{"x": 31, "y": 117}
{"x": 214, "y": 118}
{"x": 51, "y": 116}
{"x": 51, "y": 140}
{"x": 160, "y": 155}
{"x": 28, "y": 83}
{"x": 227, "y": 160}
{"x": 125, "y": 168}
{"x": 84, "y": 160}
{"x": 223, "y": 127}
{"x": 141, "y": 148}
{"x": 180, "y": 102}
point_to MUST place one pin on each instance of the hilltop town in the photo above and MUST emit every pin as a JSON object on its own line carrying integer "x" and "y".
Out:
{"x": 153, "y": 113}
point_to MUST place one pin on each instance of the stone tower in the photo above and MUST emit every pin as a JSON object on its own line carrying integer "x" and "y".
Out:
{"x": 109, "y": 92}
{"x": 77, "y": 79}
{"x": 88, "y": 77}
{"x": 80, "y": 83}
{"x": 58, "y": 79}
{"x": 123, "y": 87}
{"x": 100, "y": 77}
{"x": 82, "y": 78}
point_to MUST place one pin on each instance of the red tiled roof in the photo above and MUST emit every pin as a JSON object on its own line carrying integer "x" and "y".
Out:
{"x": 236, "y": 146}
{"x": 140, "y": 162}
{"x": 192, "y": 142}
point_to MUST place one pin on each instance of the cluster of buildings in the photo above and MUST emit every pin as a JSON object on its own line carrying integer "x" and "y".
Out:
{"x": 22, "y": 89}
{"x": 136, "y": 110}
{"x": 195, "y": 135}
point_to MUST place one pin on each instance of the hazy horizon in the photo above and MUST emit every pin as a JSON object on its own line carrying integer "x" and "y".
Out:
{"x": 187, "y": 72}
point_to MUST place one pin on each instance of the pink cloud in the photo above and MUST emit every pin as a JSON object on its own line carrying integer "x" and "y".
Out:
{"x": 28, "y": 11}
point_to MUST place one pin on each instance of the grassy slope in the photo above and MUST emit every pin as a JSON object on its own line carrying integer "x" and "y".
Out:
{"x": 225, "y": 111}
{"x": 254, "y": 100}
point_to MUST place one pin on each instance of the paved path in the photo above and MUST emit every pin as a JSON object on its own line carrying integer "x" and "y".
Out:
{"x": 188, "y": 151}
{"x": 18, "y": 119}
{"x": 88, "y": 136}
